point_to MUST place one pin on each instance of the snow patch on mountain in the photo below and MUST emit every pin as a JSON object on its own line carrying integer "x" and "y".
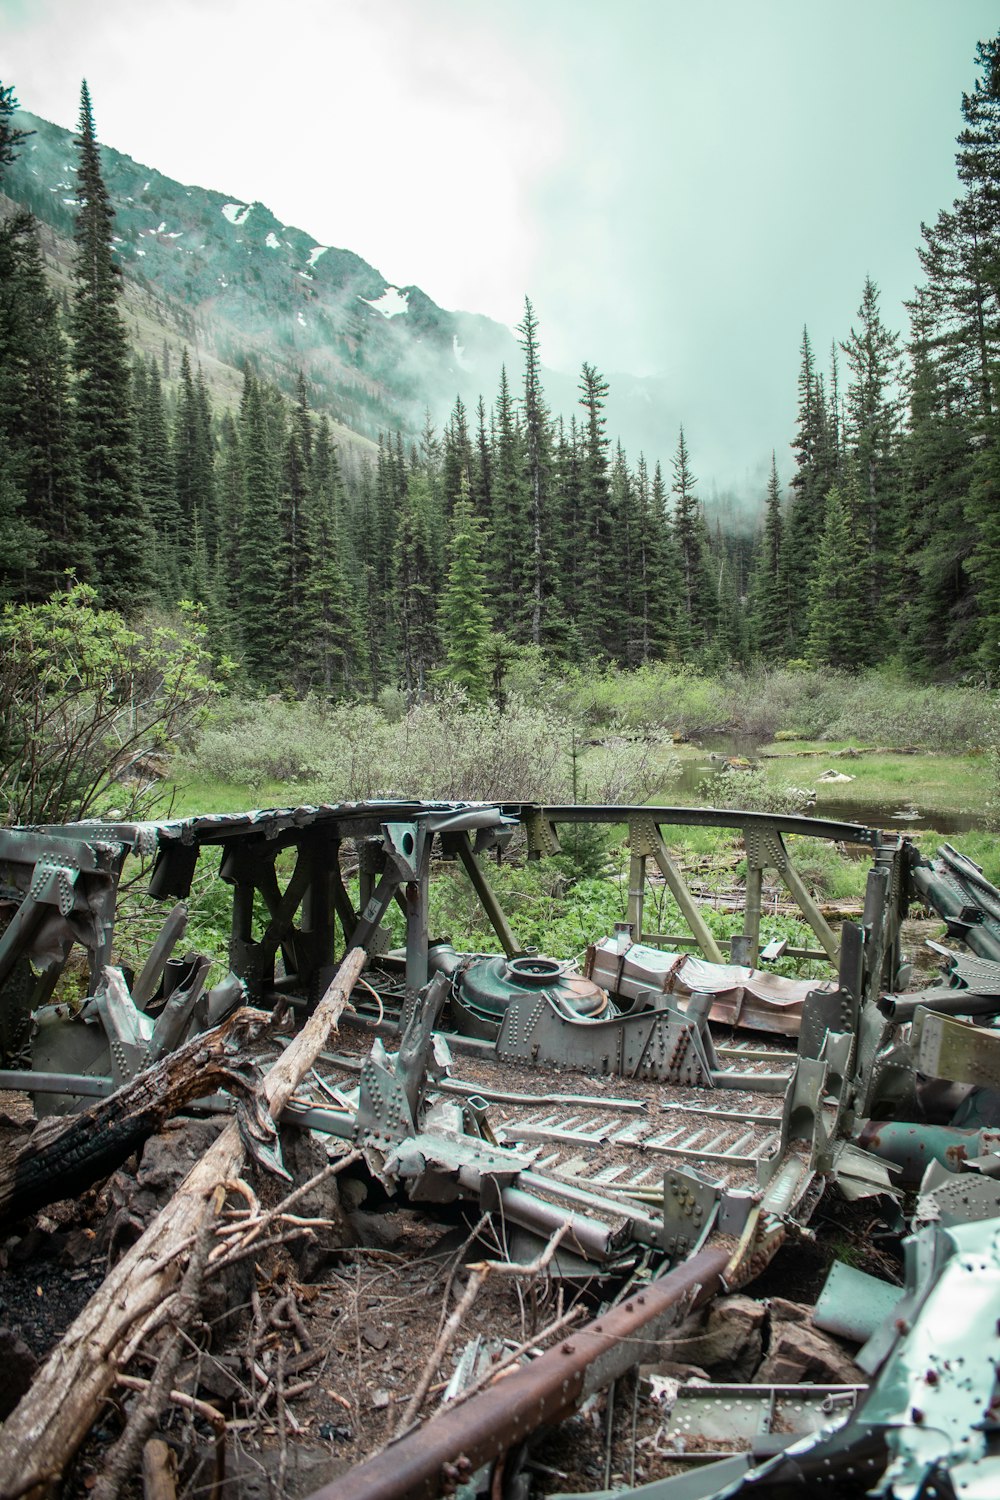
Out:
{"x": 272, "y": 242}
{"x": 459, "y": 354}
{"x": 391, "y": 303}
{"x": 315, "y": 253}
{"x": 236, "y": 212}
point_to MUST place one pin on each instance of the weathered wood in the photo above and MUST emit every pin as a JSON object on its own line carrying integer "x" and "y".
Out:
{"x": 64, "y": 1156}
{"x": 49, "y": 1423}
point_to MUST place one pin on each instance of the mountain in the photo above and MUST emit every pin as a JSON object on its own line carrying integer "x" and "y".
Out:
{"x": 229, "y": 280}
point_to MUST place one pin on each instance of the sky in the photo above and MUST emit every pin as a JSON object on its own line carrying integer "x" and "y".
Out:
{"x": 679, "y": 185}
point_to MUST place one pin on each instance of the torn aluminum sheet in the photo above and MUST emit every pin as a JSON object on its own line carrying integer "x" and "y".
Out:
{"x": 742, "y": 996}
{"x": 853, "y": 1304}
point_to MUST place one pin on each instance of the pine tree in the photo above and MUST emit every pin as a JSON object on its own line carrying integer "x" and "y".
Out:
{"x": 260, "y": 561}
{"x": 118, "y": 524}
{"x": 10, "y": 135}
{"x": 157, "y": 482}
{"x": 463, "y": 621}
{"x": 770, "y": 608}
{"x": 328, "y": 629}
{"x": 816, "y": 469}
{"x": 415, "y": 591}
{"x": 872, "y": 426}
{"x": 699, "y": 589}
{"x": 456, "y": 469}
{"x": 601, "y": 615}
{"x": 105, "y": 435}
{"x": 537, "y": 466}
{"x": 36, "y": 417}
{"x": 937, "y": 615}
{"x": 839, "y": 621}
{"x": 511, "y": 584}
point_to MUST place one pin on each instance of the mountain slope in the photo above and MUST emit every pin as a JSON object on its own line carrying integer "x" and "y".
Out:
{"x": 233, "y": 281}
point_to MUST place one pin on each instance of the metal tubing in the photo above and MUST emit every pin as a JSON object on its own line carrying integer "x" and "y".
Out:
{"x": 487, "y": 899}
{"x": 686, "y": 902}
{"x": 544, "y": 1391}
{"x": 20, "y": 930}
{"x": 811, "y": 911}
{"x": 752, "y": 909}
{"x": 636, "y": 892}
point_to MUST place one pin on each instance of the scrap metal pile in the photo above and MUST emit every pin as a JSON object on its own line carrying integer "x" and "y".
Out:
{"x": 649, "y": 1127}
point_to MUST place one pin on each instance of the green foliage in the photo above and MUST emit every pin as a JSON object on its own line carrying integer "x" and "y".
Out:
{"x": 463, "y": 619}
{"x": 85, "y": 699}
{"x": 751, "y": 791}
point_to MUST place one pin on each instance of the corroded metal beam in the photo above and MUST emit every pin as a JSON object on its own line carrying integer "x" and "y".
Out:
{"x": 547, "y": 1390}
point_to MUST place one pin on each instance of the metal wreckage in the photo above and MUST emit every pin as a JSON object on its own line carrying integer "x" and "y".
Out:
{"x": 686, "y": 1187}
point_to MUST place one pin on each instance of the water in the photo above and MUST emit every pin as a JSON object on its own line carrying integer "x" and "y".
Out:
{"x": 695, "y": 770}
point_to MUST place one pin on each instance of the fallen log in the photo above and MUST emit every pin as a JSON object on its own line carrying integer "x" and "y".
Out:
{"x": 64, "y": 1156}
{"x": 47, "y": 1426}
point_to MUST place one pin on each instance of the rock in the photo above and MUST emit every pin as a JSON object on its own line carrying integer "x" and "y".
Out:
{"x": 799, "y": 1353}
{"x": 168, "y": 1156}
{"x": 17, "y": 1369}
{"x": 253, "y": 1475}
{"x": 304, "y": 1157}
{"x": 77, "y": 1248}
{"x": 783, "y": 1311}
{"x": 730, "y": 1343}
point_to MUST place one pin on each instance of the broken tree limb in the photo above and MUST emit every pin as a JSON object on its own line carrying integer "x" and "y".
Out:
{"x": 49, "y": 1423}
{"x": 64, "y": 1156}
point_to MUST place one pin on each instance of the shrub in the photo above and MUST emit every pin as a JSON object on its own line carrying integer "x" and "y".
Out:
{"x": 88, "y": 702}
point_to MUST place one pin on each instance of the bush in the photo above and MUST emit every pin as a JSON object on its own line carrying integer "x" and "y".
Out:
{"x": 89, "y": 706}
{"x": 749, "y": 791}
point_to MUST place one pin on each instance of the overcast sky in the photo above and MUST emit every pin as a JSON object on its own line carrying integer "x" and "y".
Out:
{"x": 679, "y": 187}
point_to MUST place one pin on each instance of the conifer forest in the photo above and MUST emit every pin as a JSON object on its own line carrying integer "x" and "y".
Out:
{"x": 437, "y": 555}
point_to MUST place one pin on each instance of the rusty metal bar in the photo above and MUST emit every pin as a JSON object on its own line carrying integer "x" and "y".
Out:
{"x": 544, "y": 1391}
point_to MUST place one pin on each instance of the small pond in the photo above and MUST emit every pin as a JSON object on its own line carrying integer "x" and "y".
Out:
{"x": 715, "y": 749}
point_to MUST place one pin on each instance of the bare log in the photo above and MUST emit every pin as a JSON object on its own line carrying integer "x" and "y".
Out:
{"x": 51, "y": 1420}
{"x": 63, "y": 1157}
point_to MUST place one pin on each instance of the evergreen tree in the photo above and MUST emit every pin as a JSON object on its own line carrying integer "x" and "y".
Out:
{"x": 456, "y": 471}
{"x": 937, "y": 615}
{"x": 699, "y": 591}
{"x": 839, "y": 628}
{"x": 157, "y": 482}
{"x": 872, "y": 410}
{"x": 327, "y": 631}
{"x": 259, "y": 558}
{"x": 816, "y": 468}
{"x": 118, "y": 524}
{"x": 36, "y": 418}
{"x": 415, "y": 592}
{"x": 511, "y": 583}
{"x": 537, "y": 466}
{"x": 770, "y": 608}
{"x": 463, "y": 620}
{"x": 601, "y": 613}
{"x": 10, "y": 135}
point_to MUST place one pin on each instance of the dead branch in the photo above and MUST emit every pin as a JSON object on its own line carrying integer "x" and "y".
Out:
{"x": 50, "y": 1421}
{"x": 159, "y": 1471}
{"x": 124, "y": 1456}
{"x": 439, "y": 1351}
{"x": 63, "y": 1157}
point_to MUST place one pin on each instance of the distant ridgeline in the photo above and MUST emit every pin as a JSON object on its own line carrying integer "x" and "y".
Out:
{"x": 235, "y": 282}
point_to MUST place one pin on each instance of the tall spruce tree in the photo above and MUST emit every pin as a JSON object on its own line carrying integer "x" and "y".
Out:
{"x": 117, "y": 519}
{"x": 871, "y": 436}
{"x": 463, "y": 619}
{"x": 839, "y": 619}
{"x": 537, "y": 466}
{"x": 770, "y": 604}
